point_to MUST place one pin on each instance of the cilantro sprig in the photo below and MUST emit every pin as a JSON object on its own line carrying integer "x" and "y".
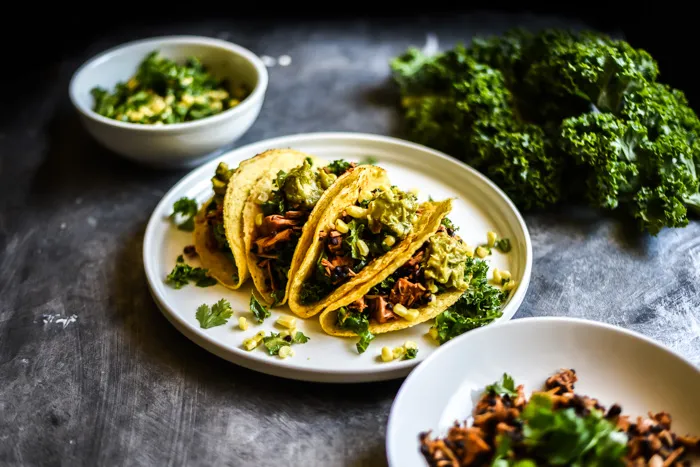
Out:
{"x": 216, "y": 315}
{"x": 504, "y": 387}
{"x": 184, "y": 211}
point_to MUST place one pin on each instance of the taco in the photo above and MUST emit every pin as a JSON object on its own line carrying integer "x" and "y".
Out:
{"x": 357, "y": 237}
{"x": 426, "y": 278}
{"x": 281, "y": 214}
{"x": 218, "y": 231}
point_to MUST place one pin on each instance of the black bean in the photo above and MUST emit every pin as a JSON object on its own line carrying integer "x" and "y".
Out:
{"x": 335, "y": 240}
{"x": 614, "y": 411}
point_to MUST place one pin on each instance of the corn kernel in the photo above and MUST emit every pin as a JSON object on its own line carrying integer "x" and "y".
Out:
{"x": 389, "y": 241}
{"x": 364, "y": 195}
{"x": 497, "y": 277}
{"x": 285, "y": 351}
{"x": 433, "y": 333}
{"x": 169, "y": 99}
{"x": 505, "y": 274}
{"x": 356, "y": 211}
{"x": 250, "y": 343}
{"x": 243, "y": 323}
{"x": 284, "y": 333}
{"x": 510, "y": 285}
{"x": 362, "y": 247}
{"x": 469, "y": 251}
{"x": 187, "y": 80}
{"x": 259, "y": 336}
{"x": 407, "y": 314}
{"x": 398, "y": 352}
{"x": 482, "y": 252}
{"x": 491, "y": 238}
{"x": 341, "y": 226}
{"x": 258, "y": 219}
{"x": 287, "y": 321}
{"x": 263, "y": 197}
{"x": 432, "y": 287}
{"x": 233, "y": 102}
{"x": 387, "y": 354}
{"x": 410, "y": 345}
{"x": 187, "y": 99}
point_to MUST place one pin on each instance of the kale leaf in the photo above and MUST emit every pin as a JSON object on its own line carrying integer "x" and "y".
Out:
{"x": 258, "y": 310}
{"x": 480, "y": 304}
{"x": 182, "y": 274}
{"x": 557, "y": 117}
{"x": 357, "y": 323}
{"x": 274, "y": 342}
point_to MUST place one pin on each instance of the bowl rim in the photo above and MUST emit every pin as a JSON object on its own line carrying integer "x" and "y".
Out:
{"x": 255, "y": 95}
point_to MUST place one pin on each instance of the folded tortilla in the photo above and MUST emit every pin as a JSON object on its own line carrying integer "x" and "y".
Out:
{"x": 230, "y": 267}
{"x": 341, "y": 189}
{"x": 366, "y": 274}
{"x": 442, "y": 301}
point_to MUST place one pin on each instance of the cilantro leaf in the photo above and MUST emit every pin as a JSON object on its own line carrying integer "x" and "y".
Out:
{"x": 562, "y": 437}
{"x": 258, "y": 309}
{"x": 183, "y": 213}
{"x": 503, "y": 245}
{"x": 217, "y": 315}
{"x": 410, "y": 354}
{"x": 504, "y": 387}
{"x": 300, "y": 338}
{"x": 370, "y": 160}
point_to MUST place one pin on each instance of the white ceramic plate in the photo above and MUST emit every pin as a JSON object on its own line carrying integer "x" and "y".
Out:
{"x": 480, "y": 206}
{"x": 612, "y": 364}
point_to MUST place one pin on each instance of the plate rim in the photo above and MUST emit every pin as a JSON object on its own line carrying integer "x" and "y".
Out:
{"x": 274, "y": 368}
{"x": 416, "y": 373}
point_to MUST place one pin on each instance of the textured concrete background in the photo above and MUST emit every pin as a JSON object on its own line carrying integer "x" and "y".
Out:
{"x": 92, "y": 374}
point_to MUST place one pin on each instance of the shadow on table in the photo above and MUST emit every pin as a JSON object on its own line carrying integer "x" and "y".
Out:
{"x": 160, "y": 347}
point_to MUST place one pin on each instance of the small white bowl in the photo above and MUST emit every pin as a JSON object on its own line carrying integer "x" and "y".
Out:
{"x": 179, "y": 144}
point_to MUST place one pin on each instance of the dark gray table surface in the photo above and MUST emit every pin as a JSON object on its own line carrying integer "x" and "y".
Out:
{"x": 91, "y": 373}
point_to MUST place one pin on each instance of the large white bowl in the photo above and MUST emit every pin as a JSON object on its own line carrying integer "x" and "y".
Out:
{"x": 614, "y": 365}
{"x": 179, "y": 144}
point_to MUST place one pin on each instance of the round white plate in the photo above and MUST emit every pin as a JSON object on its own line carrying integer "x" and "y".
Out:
{"x": 479, "y": 207}
{"x": 612, "y": 364}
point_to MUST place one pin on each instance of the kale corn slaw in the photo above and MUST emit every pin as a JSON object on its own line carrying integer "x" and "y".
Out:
{"x": 165, "y": 92}
{"x": 556, "y": 427}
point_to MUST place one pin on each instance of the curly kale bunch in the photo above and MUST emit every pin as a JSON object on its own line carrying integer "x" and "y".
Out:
{"x": 559, "y": 116}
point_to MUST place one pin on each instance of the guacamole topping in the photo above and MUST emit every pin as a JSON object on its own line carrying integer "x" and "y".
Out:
{"x": 392, "y": 210}
{"x": 445, "y": 261}
{"x": 303, "y": 186}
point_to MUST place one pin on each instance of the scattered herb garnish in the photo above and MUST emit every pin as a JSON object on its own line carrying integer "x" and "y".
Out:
{"x": 217, "y": 315}
{"x": 503, "y": 245}
{"x": 504, "y": 387}
{"x": 359, "y": 324}
{"x": 258, "y": 309}
{"x": 183, "y": 213}
{"x": 182, "y": 274}
{"x": 410, "y": 354}
{"x": 370, "y": 160}
{"x": 274, "y": 342}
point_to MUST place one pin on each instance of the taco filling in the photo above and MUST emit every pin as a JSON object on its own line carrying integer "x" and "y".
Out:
{"x": 439, "y": 265}
{"x": 284, "y": 212}
{"x": 214, "y": 214}
{"x": 365, "y": 230}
